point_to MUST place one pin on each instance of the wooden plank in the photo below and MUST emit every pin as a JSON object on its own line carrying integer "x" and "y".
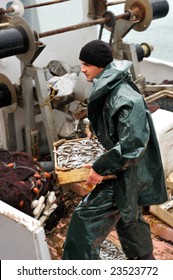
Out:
{"x": 162, "y": 214}
{"x": 76, "y": 175}
{"x": 169, "y": 181}
{"x": 72, "y": 176}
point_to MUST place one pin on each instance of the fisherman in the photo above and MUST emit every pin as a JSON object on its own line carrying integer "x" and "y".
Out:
{"x": 122, "y": 122}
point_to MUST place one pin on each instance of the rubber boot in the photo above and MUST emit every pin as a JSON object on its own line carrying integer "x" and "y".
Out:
{"x": 147, "y": 257}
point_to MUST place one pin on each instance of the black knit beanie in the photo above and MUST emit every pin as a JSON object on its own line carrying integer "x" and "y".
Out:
{"x": 96, "y": 53}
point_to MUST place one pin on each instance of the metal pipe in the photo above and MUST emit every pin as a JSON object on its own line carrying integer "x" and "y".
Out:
{"x": 74, "y": 27}
{"x": 4, "y": 25}
{"x": 116, "y": 2}
{"x": 10, "y": 10}
{"x": 45, "y": 4}
{"x": 82, "y": 25}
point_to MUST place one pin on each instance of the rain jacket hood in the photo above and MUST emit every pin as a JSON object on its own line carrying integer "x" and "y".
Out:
{"x": 110, "y": 77}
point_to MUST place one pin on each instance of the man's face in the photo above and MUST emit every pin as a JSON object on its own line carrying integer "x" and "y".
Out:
{"x": 90, "y": 71}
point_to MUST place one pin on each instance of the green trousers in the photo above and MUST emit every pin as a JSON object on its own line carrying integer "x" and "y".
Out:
{"x": 95, "y": 217}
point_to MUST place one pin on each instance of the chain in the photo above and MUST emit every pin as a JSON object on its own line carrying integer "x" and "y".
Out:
{"x": 111, "y": 24}
{"x": 112, "y": 30}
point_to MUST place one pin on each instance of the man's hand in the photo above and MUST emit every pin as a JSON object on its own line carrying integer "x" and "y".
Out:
{"x": 93, "y": 177}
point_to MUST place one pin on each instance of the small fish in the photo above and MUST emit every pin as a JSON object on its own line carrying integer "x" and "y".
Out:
{"x": 76, "y": 153}
{"x": 167, "y": 205}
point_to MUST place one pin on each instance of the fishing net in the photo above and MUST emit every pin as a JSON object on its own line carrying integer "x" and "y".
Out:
{"x": 22, "y": 180}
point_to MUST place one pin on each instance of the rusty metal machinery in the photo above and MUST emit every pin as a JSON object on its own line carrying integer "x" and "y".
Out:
{"x": 146, "y": 11}
{"x": 137, "y": 14}
{"x": 23, "y": 42}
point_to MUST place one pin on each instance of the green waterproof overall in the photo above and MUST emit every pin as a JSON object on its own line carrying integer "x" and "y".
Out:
{"x": 122, "y": 122}
{"x": 94, "y": 218}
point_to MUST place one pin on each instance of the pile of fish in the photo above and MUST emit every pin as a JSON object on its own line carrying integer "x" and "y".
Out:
{"x": 108, "y": 251}
{"x": 73, "y": 154}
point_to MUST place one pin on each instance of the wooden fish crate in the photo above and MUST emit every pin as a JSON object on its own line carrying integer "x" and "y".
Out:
{"x": 66, "y": 175}
{"x": 159, "y": 210}
{"x": 162, "y": 214}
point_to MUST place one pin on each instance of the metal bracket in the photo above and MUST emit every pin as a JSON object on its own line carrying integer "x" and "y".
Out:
{"x": 37, "y": 74}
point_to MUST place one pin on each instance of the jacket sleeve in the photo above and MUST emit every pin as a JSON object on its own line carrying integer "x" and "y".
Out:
{"x": 133, "y": 133}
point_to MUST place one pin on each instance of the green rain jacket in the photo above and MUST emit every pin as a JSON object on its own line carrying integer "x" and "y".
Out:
{"x": 122, "y": 122}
